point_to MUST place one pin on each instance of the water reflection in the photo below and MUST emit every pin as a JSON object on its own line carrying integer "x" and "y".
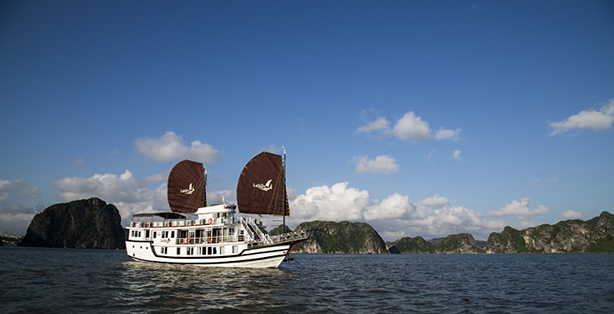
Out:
{"x": 168, "y": 287}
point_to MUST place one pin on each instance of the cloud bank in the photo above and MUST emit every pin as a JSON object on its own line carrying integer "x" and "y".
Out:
{"x": 393, "y": 217}
{"x": 129, "y": 194}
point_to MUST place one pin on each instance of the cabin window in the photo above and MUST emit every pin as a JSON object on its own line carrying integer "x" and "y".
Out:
{"x": 235, "y": 249}
{"x": 209, "y": 251}
{"x": 172, "y": 234}
{"x": 154, "y": 234}
{"x": 146, "y": 233}
{"x": 178, "y": 251}
{"x": 215, "y": 251}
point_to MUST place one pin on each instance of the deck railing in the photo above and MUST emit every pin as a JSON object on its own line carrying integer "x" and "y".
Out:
{"x": 181, "y": 223}
{"x": 289, "y": 236}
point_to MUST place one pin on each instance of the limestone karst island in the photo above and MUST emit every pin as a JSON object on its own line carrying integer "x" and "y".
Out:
{"x": 92, "y": 223}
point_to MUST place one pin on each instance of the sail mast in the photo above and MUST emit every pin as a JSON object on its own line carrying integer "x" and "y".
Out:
{"x": 284, "y": 191}
{"x": 205, "y": 189}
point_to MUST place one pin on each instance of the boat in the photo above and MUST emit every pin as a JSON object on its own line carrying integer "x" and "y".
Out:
{"x": 218, "y": 235}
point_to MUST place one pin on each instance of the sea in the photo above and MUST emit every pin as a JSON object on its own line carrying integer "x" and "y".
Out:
{"x": 44, "y": 280}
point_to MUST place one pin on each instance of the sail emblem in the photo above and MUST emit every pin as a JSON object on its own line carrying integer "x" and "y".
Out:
{"x": 188, "y": 191}
{"x": 265, "y": 187}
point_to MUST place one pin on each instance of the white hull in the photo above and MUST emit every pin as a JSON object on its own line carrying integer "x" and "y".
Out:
{"x": 270, "y": 256}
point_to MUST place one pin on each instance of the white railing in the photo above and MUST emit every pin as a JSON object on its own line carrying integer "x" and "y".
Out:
{"x": 289, "y": 236}
{"x": 181, "y": 223}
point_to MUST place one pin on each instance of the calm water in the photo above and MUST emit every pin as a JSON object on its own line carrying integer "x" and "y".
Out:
{"x": 100, "y": 281}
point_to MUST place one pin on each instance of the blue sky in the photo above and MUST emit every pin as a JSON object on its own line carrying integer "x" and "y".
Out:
{"x": 422, "y": 118}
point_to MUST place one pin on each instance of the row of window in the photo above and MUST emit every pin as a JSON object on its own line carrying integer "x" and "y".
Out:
{"x": 211, "y": 250}
{"x": 164, "y": 234}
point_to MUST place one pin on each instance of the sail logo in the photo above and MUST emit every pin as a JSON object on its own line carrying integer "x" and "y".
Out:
{"x": 265, "y": 187}
{"x": 188, "y": 191}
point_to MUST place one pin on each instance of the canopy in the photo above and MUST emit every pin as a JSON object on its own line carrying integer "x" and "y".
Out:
{"x": 163, "y": 215}
{"x": 186, "y": 187}
{"x": 262, "y": 186}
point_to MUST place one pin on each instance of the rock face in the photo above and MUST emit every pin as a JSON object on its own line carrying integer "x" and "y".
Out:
{"x": 595, "y": 235}
{"x": 340, "y": 237}
{"x": 463, "y": 243}
{"x": 90, "y": 223}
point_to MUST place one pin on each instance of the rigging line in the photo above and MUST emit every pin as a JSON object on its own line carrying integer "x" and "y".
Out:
{"x": 308, "y": 213}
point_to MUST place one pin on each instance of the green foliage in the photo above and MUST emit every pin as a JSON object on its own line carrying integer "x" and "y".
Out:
{"x": 602, "y": 246}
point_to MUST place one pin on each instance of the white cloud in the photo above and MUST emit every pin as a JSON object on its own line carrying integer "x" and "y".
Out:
{"x": 456, "y": 155}
{"x": 409, "y": 127}
{"x": 586, "y": 119}
{"x": 393, "y": 217}
{"x": 571, "y": 214}
{"x": 520, "y": 209}
{"x": 379, "y": 124}
{"x": 395, "y": 206}
{"x": 170, "y": 147}
{"x": 447, "y": 134}
{"x": 336, "y": 203}
{"x": 435, "y": 202}
{"x": 381, "y": 164}
{"x": 412, "y": 127}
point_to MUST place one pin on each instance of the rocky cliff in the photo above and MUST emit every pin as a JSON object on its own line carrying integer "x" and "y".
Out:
{"x": 408, "y": 245}
{"x": 340, "y": 237}
{"x": 463, "y": 243}
{"x": 595, "y": 235}
{"x": 90, "y": 223}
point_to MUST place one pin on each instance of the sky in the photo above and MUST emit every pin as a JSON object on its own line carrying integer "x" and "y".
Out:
{"x": 421, "y": 118}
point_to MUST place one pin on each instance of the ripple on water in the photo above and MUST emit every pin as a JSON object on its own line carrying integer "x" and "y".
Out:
{"x": 98, "y": 281}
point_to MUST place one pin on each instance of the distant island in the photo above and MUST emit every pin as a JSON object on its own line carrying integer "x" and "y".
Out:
{"x": 93, "y": 223}
{"x": 570, "y": 236}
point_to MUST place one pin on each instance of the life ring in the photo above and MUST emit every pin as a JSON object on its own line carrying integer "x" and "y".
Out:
{"x": 146, "y": 224}
{"x": 210, "y": 221}
{"x": 210, "y": 240}
{"x": 187, "y": 240}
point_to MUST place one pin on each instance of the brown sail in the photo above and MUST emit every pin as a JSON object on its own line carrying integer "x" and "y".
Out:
{"x": 262, "y": 187}
{"x": 186, "y": 187}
